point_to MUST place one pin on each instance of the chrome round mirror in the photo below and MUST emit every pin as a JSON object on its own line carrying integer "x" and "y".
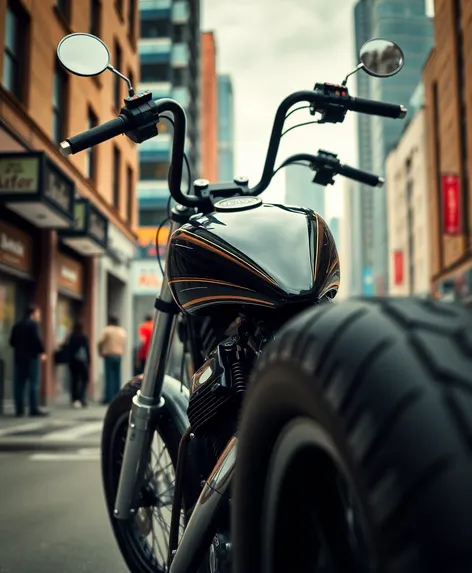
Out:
{"x": 83, "y": 54}
{"x": 381, "y": 58}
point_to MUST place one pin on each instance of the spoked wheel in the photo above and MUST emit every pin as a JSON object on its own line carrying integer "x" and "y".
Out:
{"x": 354, "y": 448}
{"x": 143, "y": 540}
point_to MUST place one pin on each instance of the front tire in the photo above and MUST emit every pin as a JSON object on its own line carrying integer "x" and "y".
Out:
{"x": 143, "y": 552}
{"x": 355, "y": 443}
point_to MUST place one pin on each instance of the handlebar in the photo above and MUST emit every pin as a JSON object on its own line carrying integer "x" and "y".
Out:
{"x": 325, "y": 160}
{"x": 131, "y": 119}
{"x": 95, "y": 135}
{"x": 380, "y": 108}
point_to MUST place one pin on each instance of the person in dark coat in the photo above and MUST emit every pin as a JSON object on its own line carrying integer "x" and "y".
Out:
{"x": 28, "y": 348}
{"x": 78, "y": 354}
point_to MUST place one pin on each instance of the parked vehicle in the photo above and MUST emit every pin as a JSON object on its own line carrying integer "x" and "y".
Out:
{"x": 314, "y": 436}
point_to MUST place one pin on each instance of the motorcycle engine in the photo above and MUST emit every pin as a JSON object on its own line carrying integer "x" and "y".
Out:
{"x": 215, "y": 395}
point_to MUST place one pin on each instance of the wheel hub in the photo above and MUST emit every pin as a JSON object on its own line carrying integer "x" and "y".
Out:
{"x": 220, "y": 554}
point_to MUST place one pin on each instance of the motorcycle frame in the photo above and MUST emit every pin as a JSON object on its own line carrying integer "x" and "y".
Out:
{"x": 145, "y": 408}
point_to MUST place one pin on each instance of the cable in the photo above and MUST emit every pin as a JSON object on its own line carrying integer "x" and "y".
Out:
{"x": 287, "y": 164}
{"x": 299, "y": 125}
{"x": 297, "y": 109}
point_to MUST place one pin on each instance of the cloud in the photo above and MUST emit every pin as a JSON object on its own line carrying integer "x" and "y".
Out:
{"x": 272, "y": 48}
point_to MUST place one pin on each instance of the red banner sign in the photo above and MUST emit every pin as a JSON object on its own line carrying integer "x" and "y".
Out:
{"x": 397, "y": 267}
{"x": 451, "y": 204}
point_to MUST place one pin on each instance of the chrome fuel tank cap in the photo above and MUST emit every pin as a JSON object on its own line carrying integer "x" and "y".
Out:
{"x": 237, "y": 204}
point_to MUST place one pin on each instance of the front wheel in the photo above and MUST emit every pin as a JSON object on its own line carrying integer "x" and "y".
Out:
{"x": 355, "y": 444}
{"x": 143, "y": 540}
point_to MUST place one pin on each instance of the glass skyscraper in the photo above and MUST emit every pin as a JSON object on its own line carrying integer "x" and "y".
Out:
{"x": 406, "y": 23}
{"x": 225, "y": 128}
{"x": 300, "y": 191}
{"x": 169, "y": 51}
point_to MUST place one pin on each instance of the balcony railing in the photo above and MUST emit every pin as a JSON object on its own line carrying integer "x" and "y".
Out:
{"x": 180, "y": 55}
{"x": 180, "y": 12}
{"x": 155, "y": 4}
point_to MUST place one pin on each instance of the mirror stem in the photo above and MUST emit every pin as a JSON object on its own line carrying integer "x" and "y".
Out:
{"x": 120, "y": 75}
{"x": 359, "y": 67}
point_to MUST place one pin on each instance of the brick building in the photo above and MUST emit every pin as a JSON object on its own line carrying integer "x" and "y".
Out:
{"x": 448, "y": 95}
{"x": 209, "y": 111}
{"x": 66, "y": 225}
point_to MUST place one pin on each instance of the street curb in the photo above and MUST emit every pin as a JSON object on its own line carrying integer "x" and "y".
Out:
{"x": 27, "y": 445}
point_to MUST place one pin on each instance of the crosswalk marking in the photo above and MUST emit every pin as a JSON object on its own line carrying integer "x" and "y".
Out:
{"x": 74, "y": 433}
{"x": 85, "y": 454}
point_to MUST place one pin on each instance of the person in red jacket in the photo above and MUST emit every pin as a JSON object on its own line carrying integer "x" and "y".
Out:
{"x": 145, "y": 333}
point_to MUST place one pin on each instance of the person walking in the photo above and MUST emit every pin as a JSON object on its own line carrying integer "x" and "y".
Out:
{"x": 28, "y": 349}
{"x": 111, "y": 347}
{"x": 78, "y": 355}
{"x": 145, "y": 334}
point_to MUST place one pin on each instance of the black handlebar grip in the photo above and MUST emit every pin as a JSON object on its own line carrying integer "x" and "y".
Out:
{"x": 94, "y": 136}
{"x": 361, "y": 176}
{"x": 373, "y": 107}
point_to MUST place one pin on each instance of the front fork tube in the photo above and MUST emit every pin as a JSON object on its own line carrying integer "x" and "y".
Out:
{"x": 146, "y": 403}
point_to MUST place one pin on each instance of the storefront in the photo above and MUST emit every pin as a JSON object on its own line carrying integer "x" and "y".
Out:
{"x": 456, "y": 289}
{"x": 114, "y": 297}
{"x": 16, "y": 292}
{"x": 88, "y": 238}
{"x": 69, "y": 309}
{"x": 36, "y": 189}
{"x": 36, "y": 198}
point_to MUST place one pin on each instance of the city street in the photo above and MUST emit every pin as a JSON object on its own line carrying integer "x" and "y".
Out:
{"x": 53, "y": 516}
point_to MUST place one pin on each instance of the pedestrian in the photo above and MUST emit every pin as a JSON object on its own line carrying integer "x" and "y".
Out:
{"x": 78, "y": 356}
{"x": 28, "y": 349}
{"x": 111, "y": 347}
{"x": 145, "y": 334}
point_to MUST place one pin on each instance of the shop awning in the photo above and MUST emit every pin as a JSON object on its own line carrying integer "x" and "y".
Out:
{"x": 89, "y": 233}
{"x": 37, "y": 189}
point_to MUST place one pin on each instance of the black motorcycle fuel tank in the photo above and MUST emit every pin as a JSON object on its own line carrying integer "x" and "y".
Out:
{"x": 251, "y": 253}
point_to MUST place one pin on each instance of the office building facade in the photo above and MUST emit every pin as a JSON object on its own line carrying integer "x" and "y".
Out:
{"x": 66, "y": 224}
{"x": 169, "y": 53}
{"x": 225, "y": 128}
{"x": 300, "y": 191}
{"x": 408, "y": 225}
{"x": 448, "y": 97}
{"x": 406, "y": 23}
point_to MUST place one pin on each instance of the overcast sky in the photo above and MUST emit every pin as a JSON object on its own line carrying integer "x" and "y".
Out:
{"x": 272, "y": 48}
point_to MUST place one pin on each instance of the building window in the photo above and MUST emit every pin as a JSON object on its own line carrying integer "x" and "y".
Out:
{"x": 117, "y": 88}
{"x": 180, "y": 77}
{"x": 59, "y": 105}
{"x": 153, "y": 170}
{"x": 13, "y": 58}
{"x": 153, "y": 72}
{"x": 155, "y": 28}
{"x": 179, "y": 33}
{"x": 119, "y": 7}
{"x": 132, "y": 10}
{"x": 63, "y": 7}
{"x": 116, "y": 177}
{"x": 91, "y": 157}
{"x": 130, "y": 194}
{"x": 437, "y": 168}
{"x": 95, "y": 17}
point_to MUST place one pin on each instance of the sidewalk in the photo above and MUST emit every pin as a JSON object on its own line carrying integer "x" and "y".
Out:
{"x": 64, "y": 428}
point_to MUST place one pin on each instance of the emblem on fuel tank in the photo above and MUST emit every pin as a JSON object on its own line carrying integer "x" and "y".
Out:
{"x": 238, "y": 203}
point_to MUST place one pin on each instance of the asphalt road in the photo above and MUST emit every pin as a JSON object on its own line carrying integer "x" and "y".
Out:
{"x": 52, "y": 515}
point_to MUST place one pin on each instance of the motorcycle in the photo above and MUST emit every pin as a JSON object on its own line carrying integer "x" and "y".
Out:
{"x": 312, "y": 436}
